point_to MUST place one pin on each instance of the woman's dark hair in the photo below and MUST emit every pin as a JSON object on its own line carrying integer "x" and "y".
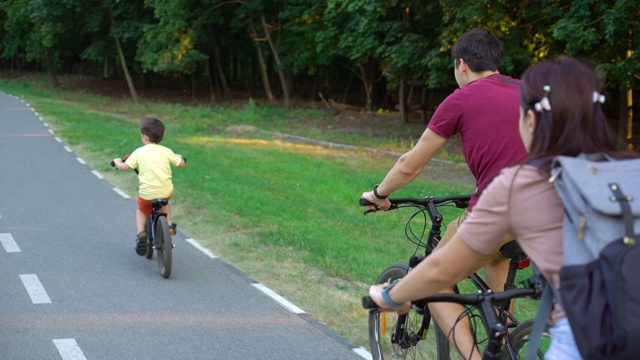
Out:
{"x": 480, "y": 50}
{"x": 153, "y": 128}
{"x": 576, "y": 123}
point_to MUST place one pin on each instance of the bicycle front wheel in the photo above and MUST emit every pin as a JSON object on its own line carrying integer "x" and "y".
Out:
{"x": 164, "y": 246}
{"x": 519, "y": 340}
{"x": 404, "y": 336}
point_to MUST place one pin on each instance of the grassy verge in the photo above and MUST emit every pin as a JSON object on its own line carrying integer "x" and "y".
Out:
{"x": 284, "y": 213}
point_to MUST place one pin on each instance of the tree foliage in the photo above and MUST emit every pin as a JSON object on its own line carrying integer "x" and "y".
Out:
{"x": 360, "y": 47}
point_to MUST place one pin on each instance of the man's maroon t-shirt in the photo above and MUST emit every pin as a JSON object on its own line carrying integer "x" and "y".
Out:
{"x": 485, "y": 113}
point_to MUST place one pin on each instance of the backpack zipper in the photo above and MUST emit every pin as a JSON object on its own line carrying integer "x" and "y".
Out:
{"x": 581, "y": 228}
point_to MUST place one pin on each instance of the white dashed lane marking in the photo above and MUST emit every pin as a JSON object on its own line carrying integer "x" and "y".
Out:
{"x": 36, "y": 291}
{"x": 121, "y": 193}
{"x": 9, "y": 244}
{"x": 69, "y": 349}
{"x": 282, "y": 301}
{"x": 203, "y": 249}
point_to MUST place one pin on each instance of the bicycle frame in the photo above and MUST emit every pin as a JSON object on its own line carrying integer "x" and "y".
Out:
{"x": 156, "y": 205}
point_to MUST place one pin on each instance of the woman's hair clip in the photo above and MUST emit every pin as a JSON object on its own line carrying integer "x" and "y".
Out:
{"x": 544, "y": 103}
{"x": 597, "y": 97}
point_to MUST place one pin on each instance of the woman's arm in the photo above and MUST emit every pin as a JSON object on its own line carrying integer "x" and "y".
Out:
{"x": 445, "y": 267}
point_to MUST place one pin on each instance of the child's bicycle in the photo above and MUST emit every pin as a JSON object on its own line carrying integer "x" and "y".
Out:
{"x": 158, "y": 235}
{"x": 406, "y": 334}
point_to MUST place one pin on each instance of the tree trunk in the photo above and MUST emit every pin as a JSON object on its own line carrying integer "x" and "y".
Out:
{"x": 221, "y": 76}
{"x": 276, "y": 57}
{"x": 51, "y": 70}
{"x": 367, "y": 87}
{"x": 123, "y": 61}
{"x": 402, "y": 101}
{"x": 263, "y": 66}
{"x": 625, "y": 117}
{"x": 211, "y": 80}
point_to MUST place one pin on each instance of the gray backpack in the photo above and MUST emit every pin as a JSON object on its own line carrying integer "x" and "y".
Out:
{"x": 600, "y": 277}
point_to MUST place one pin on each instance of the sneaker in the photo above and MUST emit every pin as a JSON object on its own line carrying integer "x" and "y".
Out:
{"x": 141, "y": 244}
{"x": 172, "y": 228}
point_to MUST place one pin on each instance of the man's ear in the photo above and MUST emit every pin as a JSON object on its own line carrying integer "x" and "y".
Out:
{"x": 462, "y": 66}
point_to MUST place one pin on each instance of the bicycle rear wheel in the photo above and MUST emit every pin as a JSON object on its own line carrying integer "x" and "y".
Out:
{"x": 403, "y": 336}
{"x": 519, "y": 339}
{"x": 164, "y": 246}
{"x": 149, "y": 253}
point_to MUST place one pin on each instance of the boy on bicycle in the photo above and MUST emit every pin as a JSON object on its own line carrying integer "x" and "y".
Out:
{"x": 153, "y": 163}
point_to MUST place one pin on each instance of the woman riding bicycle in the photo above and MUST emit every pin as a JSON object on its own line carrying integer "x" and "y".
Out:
{"x": 559, "y": 115}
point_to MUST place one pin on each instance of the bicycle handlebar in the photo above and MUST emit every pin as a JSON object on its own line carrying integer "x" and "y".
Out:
{"x": 460, "y": 201}
{"x": 465, "y": 299}
{"x": 113, "y": 164}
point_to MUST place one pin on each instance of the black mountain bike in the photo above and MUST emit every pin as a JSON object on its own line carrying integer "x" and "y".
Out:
{"x": 405, "y": 336}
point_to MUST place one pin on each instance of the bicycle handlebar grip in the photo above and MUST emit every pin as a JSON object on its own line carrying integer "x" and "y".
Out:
{"x": 113, "y": 163}
{"x": 365, "y": 202}
{"x": 368, "y": 303}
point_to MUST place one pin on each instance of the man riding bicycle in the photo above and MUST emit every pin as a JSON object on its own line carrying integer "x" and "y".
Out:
{"x": 484, "y": 110}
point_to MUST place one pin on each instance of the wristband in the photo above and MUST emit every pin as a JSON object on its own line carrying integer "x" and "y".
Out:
{"x": 387, "y": 298}
{"x": 378, "y": 196}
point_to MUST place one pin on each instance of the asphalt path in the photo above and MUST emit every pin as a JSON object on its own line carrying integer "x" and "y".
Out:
{"x": 72, "y": 287}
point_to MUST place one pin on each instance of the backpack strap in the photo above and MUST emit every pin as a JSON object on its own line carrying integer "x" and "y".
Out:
{"x": 549, "y": 292}
{"x": 627, "y": 215}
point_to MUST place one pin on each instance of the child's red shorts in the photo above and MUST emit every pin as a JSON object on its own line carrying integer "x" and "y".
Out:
{"x": 145, "y": 205}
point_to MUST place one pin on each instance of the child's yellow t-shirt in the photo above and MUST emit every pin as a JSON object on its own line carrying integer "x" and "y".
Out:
{"x": 153, "y": 162}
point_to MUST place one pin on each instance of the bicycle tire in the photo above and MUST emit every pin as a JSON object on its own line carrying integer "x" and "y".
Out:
{"x": 149, "y": 253}
{"x": 519, "y": 338}
{"x": 408, "y": 344}
{"x": 164, "y": 246}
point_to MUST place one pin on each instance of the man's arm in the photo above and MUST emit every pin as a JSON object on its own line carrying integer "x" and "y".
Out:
{"x": 408, "y": 167}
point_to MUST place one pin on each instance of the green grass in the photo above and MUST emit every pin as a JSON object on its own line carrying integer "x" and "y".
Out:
{"x": 287, "y": 214}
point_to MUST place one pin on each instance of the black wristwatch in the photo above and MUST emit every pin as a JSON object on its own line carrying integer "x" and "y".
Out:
{"x": 378, "y": 196}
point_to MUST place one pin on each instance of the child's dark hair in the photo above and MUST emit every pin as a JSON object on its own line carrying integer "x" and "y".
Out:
{"x": 480, "y": 50}
{"x": 153, "y": 128}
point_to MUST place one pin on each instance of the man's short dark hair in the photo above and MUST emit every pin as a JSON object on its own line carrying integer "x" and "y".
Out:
{"x": 153, "y": 128}
{"x": 480, "y": 50}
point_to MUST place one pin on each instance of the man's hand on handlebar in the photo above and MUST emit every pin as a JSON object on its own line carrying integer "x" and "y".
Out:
{"x": 377, "y": 204}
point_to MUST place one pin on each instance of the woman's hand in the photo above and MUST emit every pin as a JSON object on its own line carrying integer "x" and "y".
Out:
{"x": 375, "y": 292}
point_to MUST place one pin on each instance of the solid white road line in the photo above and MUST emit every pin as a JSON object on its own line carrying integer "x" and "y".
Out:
{"x": 69, "y": 349}
{"x": 197, "y": 245}
{"x": 282, "y": 301}
{"x": 8, "y": 243}
{"x": 35, "y": 289}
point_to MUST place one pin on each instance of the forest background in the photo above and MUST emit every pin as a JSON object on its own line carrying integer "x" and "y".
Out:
{"x": 379, "y": 55}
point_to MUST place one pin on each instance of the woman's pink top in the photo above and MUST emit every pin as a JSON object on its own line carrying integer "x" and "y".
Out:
{"x": 520, "y": 201}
